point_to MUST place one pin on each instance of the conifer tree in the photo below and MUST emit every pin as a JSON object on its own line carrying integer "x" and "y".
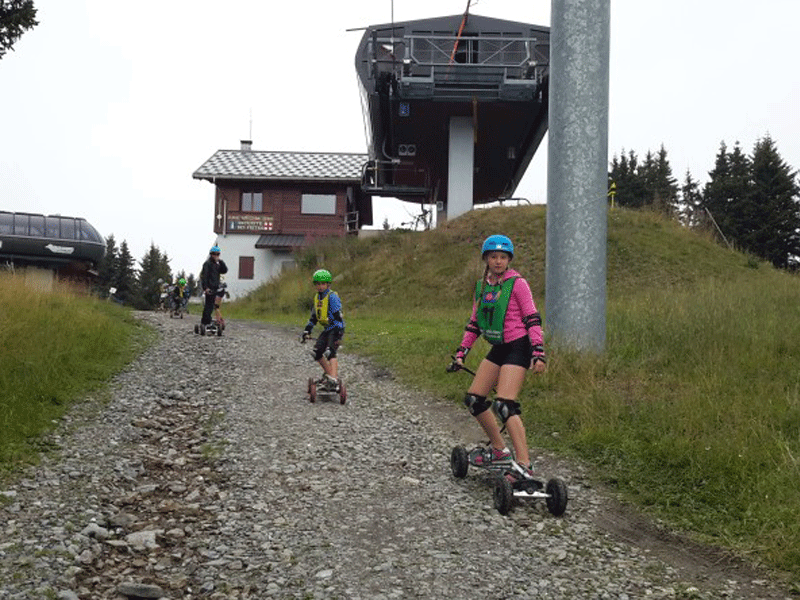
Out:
{"x": 153, "y": 266}
{"x": 191, "y": 283}
{"x": 775, "y": 207}
{"x": 106, "y": 269}
{"x": 726, "y": 194}
{"x": 626, "y": 175}
{"x": 646, "y": 184}
{"x": 691, "y": 213}
{"x": 16, "y": 17}
{"x": 741, "y": 207}
{"x": 663, "y": 186}
{"x": 647, "y": 176}
{"x": 125, "y": 276}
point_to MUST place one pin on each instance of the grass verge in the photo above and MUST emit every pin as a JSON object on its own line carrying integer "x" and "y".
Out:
{"x": 54, "y": 347}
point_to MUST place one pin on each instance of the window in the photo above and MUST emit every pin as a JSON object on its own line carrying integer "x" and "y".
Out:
{"x": 318, "y": 204}
{"x": 52, "y": 227}
{"x": 252, "y": 202}
{"x": 67, "y": 228}
{"x": 246, "y": 267}
{"x": 20, "y": 224}
{"x": 37, "y": 225}
{"x": 89, "y": 233}
{"x": 6, "y": 222}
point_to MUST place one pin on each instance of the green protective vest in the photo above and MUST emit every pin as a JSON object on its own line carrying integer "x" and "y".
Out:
{"x": 321, "y": 308}
{"x": 492, "y": 307}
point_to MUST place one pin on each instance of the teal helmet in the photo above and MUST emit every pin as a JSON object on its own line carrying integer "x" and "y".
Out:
{"x": 498, "y": 243}
{"x": 322, "y": 276}
{"x": 214, "y": 250}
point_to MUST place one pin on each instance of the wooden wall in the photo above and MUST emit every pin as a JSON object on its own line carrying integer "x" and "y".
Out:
{"x": 281, "y": 209}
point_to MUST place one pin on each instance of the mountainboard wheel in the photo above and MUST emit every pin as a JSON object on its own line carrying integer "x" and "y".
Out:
{"x": 197, "y": 328}
{"x": 312, "y": 390}
{"x": 503, "y": 494}
{"x": 557, "y": 497}
{"x": 459, "y": 462}
{"x": 202, "y": 329}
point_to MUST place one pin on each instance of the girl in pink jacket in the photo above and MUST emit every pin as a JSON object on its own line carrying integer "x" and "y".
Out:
{"x": 504, "y": 313}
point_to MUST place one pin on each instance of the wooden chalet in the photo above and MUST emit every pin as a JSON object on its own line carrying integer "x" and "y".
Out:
{"x": 268, "y": 204}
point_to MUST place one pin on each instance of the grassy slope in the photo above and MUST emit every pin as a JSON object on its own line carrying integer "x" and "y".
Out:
{"x": 54, "y": 347}
{"x": 694, "y": 409}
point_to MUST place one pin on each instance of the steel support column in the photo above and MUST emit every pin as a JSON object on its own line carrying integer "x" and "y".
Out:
{"x": 460, "y": 167}
{"x": 577, "y": 175}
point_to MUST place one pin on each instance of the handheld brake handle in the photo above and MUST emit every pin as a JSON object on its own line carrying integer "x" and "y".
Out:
{"x": 454, "y": 366}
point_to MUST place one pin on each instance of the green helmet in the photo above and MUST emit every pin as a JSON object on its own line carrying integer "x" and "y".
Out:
{"x": 322, "y": 276}
{"x": 181, "y": 281}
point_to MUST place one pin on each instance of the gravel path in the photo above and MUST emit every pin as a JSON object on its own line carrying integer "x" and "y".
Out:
{"x": 203, "y": 472}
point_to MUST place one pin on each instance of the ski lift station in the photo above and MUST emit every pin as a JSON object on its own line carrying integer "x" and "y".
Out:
{"x": 455, "y": 108}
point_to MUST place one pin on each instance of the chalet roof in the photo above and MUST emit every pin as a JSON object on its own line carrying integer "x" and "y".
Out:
{"x": 297, "y": 166}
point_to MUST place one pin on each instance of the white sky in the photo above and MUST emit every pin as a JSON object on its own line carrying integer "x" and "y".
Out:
{"x": 107, "y": 108}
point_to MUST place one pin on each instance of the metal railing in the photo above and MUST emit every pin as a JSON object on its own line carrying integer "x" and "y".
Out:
{"x": 513, "y": 57}
{"x": 394, "y": 177}
{"x": 443, "y": 66}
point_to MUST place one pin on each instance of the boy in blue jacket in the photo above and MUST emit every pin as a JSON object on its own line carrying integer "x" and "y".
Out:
{"x": 327, "y": 311}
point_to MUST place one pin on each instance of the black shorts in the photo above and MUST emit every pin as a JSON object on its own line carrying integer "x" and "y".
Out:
{"x": 519, "y": 352}
{"x": 331, "y": 338}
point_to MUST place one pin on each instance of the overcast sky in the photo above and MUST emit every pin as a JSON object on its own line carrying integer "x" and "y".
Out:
{"x": 108, "y": 107}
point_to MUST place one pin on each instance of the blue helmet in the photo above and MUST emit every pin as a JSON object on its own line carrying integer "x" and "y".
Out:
{"x": 214, "y": 249}
{"x": 496, "y": 243}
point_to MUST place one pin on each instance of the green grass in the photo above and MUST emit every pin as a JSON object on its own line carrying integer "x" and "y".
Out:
{"x": 693, "y": 410}
{"x": 54, "y": 347}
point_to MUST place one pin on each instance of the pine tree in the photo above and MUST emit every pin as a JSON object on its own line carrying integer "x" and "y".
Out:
{"x": 647, "y": 176}
{"x": 646, "y": 184}
{"x": 106, "y": 269}
{"x": 191, "y": 283}
{"x": 154, "y": 266}
{"x": 775, "y": 207}
{"x": 626, "y": 175}
{"x": 663, "y": 185}
{"x": 125, "y": 275}
{"x": 740, "y": 205}
{"x": 16, "y": 17}
{"x": 691, "y": 213}
{"x": 727, "y": 191}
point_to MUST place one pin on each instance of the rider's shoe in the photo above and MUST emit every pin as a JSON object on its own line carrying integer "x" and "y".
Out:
{"x": 527, "y": 471}
{"x": 331, "y": 382}
{"x": 494, "y": 457}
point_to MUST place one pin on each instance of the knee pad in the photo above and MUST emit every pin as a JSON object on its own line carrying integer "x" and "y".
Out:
{"x": 476, "y": 404}
{"x": 506, "y": 409}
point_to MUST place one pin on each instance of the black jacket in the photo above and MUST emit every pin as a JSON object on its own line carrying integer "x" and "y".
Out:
{"x": 209, "y": 275}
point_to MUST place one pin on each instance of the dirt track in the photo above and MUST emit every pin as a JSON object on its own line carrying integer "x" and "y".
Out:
{"x": 206, "y": 473}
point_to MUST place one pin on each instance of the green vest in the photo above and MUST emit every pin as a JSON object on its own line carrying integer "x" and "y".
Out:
{"x": 321, "y": 308}
{"x": 492, "y": 307}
